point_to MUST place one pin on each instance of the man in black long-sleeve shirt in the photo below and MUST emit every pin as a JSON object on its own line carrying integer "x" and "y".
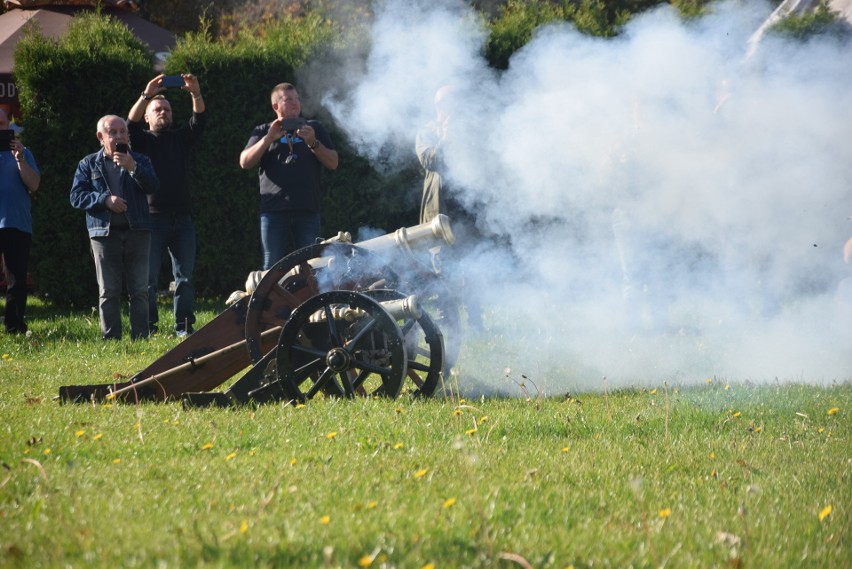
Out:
{"x": 171, "y": 208}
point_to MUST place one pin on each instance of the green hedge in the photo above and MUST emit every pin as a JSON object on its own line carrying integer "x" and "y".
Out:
{"x": 99, "y": 67}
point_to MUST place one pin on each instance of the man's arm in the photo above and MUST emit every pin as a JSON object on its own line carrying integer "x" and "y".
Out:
{"x": 29, "y": 175}
{"x": 250, "y": 156}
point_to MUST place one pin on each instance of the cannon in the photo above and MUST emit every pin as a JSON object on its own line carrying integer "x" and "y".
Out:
{"x": 335, "y": 318}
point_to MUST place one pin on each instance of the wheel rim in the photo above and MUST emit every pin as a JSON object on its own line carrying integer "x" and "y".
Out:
{"x": 319, "y": 351}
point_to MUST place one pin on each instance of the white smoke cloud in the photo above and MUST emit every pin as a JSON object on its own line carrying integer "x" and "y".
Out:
{"x": 731, "y": 175}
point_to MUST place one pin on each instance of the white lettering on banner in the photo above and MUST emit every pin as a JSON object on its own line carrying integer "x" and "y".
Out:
{"x": 7, "y": 90}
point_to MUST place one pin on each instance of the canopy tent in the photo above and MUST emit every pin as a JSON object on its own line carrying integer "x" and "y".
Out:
{"x": 52, "y": 19}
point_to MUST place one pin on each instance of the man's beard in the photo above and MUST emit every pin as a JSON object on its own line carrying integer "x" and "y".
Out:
{"x": 161, "y": 124}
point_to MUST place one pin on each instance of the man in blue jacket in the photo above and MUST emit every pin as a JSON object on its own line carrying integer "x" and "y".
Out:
{"x": 111, "y": 186}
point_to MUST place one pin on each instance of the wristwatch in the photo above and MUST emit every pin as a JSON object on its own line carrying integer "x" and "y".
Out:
{"x": 314, "y": 145}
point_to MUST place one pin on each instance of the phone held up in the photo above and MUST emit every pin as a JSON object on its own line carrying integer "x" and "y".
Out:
{"x": 6, "y": 138}
{"x": 172, "y": 81}
{"x": 291, "y": 125}
{"x": 122, "y": 147}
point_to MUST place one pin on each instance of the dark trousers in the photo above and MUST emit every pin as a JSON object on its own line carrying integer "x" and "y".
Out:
{"x": 15, "y": 247}
{"x": 174, "y": 233}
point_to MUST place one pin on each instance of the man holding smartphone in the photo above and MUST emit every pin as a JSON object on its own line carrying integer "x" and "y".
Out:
{"x": 110, "y": 186}
{"x": 172, "y": 228}
{"x": 19, "y": 180}
{"x": 291, "y": 153}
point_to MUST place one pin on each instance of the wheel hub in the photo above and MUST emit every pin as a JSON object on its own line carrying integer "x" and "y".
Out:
{"x": 338, "y": 360}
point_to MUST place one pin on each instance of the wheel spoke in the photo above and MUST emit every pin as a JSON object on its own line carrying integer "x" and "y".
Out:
{"x": 351, "y": 344}
{"x": 333, "y": 333}
{"x": 320, "y": 382}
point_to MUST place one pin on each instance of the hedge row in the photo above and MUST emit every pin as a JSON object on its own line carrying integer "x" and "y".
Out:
{"x": 99, "y": 67}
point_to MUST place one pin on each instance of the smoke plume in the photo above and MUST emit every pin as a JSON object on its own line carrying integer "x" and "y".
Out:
{"x": 656, "y": 207}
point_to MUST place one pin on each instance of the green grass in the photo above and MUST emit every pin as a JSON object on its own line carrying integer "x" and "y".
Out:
{"x": 713, "y": 475}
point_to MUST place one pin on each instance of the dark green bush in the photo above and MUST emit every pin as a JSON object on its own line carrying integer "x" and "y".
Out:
{"x": 99, "y": 67}
{"x": 65, "y": 86}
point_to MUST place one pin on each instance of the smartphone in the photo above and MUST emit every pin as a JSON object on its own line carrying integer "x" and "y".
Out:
{"x": 291, "y": 125}
{"x": 6, "y": 138}
{"x": 173, "y": 81}
{"x": 122, "y": 147}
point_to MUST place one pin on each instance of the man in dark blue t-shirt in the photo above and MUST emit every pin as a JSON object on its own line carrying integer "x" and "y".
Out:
{"x": 291, "y": 153}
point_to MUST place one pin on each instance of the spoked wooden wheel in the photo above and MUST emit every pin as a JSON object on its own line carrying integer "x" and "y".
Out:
{"x": 341, "y": 342}
{"x": 424, "y": 346}
{"x": 302, "y": 275}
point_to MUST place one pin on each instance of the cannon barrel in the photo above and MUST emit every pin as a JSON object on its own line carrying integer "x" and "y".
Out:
{"x": 406, "y": 239}
{"x": 435, "y": 232}
{"x": 399, "y": 309}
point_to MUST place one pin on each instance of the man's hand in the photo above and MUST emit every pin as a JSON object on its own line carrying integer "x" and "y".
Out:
{"x": 116, "y": 204}
{"x": 125, "y": 161}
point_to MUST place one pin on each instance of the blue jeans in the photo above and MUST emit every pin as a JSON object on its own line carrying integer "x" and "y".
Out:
{"x": 174, "y": 233}
{"x": 277, "y": 226}
{"x": 122, "y": 256}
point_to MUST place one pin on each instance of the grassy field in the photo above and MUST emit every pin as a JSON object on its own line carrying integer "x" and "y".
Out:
{"x": 718, "y": 475}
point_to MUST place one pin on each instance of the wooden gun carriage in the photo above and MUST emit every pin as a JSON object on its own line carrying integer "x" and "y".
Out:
{"x": 336, "y": 318}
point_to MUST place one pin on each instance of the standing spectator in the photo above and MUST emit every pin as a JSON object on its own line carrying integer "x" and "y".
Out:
{"x": 291, "y": 152}
{"x": 110, "y": 185}
{"x": 172, "y": 229}
{"x": 19, "y": 179}
{"x": 440, "y": 197}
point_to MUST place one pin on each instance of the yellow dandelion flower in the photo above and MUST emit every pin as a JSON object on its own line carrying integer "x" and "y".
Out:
{"x": 758, "y": 429}
{"x": 372, "y": 504}
{"x": 825, "y": 512}
{"x": 709, "y": 380}
{"x": 175, "y": 422}
{"x": 80, "y": 433}
{"x": 137, "y": 426}
{"x": 470, "y": 431}
{"x": 207, "y": 446}
{"x": 47, "y": 451}
{"x": 244, "y": 526}
{"x": 331, "y": 435}
{"x": 712, "y": 455}
{"x": 398, "y": 446}
{"x": 421, "y": 473}
{"x": 399, "y": 410}
{"x": 483, "y": 419}
{"x": 325, "y": 520}
{"x": 5, "y": 356}
{"x": 461, "y": 401}
{"x": 252, "y": 452}
{"x": 428, "y": 566}
{"x": 833, "y": 411}
{"x": 820, "y": 430}
{"x": 736, "y": 414}
{"x": 231, "y": 456}
{"x": 566, "y": 449}
{"x": 665, "y": 512}
{"x": 26, "y": 451}
{"x": 300, "y": 406}
{"x": 727, "y": 387}
{"x": 713, "y": 473}
{"x": 116, "y": 460}
{"x": 653, "y": 391}
{"x": 166, "y": 421}
{"x": 365, "y": 561}
{"x": 293, "y": 462}
{"x": 449, "y": 502}
{"x": 457, "y": 411}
